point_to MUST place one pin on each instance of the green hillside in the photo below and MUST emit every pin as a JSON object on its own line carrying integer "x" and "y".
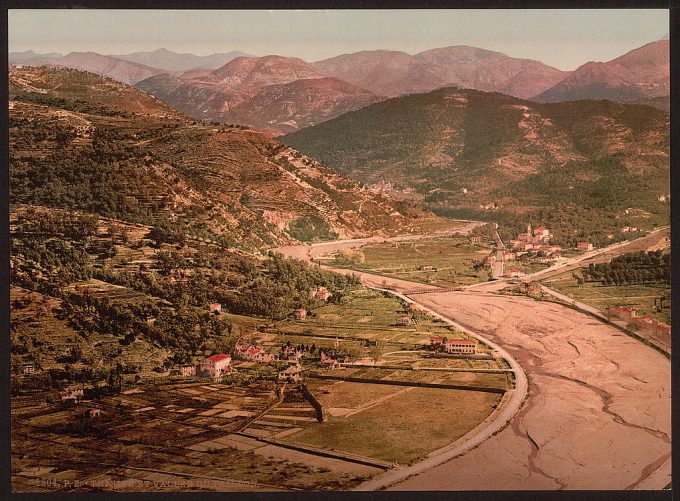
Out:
{"x": 460, "y": 149}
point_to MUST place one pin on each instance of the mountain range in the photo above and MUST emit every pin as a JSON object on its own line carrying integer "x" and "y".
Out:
{"x": 277, "y": 94}
{"x": 168, "y": 60}
{"x": 282, "y": 94}
{"x": 393, "y": 73}
{"x": 84, "y": 142}
{"x": 642, "y": 73}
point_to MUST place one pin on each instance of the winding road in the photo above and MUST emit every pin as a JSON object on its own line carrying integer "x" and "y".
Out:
{"x": 597, "y": 414}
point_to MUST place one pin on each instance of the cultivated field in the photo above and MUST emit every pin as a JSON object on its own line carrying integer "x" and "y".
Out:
{"x": 392, "y": 431}
{"x": 363, "y": 316}
{"x": 446, "y": 261}
{"x": 638, "y": 296}
{"x": 173, "y": 434}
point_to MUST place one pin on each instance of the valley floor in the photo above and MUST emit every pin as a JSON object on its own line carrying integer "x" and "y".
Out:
{"x": 598, "y": 409}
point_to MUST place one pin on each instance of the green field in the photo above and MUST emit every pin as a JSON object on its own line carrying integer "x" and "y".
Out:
{"x": 363, "y": 315}
{"x": 446, "y": 261}
{"x": 392, "y": 431}
{"x": 641, "y": 297}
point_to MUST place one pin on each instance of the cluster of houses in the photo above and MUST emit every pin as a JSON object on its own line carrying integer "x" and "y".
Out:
{"x": 647, "y": 325}
{"x": 290, "y": 353}
{"x": 536, "y": 240}
{"x": 72, "y": 394}
{"x": 489, "y": 206}
{"x": 453, "y": 346}
{"x": 253, "y": 353}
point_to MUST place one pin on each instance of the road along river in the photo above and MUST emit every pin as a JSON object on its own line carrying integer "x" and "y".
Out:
{"x": 598, "y": 409}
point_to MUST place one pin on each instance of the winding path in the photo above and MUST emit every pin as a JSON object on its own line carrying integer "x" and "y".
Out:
{"x": 597, "y": 413}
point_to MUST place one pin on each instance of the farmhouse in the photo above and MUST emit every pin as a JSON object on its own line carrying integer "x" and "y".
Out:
{"x": 71, "y": 394}
{"x": 461, "y": 346}
{"x": 253, "y": 353}
{"x": 187, "y": 370}
{"x": 291, "y": 374}
{"x": 476, "y": 239}
{"x": 584, "y": 246}
{"x": 404, "y": 321}
{"x": 328, "y": 362}
{"x": 622, "y": 313}
{"x": 300, "y": 314}
{"x": 216, "y": 365}
{"x": 28, "y": 369}
{"x": 437, "y": 340}
{"x": 215, "y": 308}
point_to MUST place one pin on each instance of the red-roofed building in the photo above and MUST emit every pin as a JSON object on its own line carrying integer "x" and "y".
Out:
{"x": 216, "y": 366}
{"x": 215, "y": 308}
{"x": 328, "y": 362}
{"x": 622, "y": 313}
{"x": 437, "y": 340}
{"x": 542, "y": 231}
{"x": 461, "y": 346}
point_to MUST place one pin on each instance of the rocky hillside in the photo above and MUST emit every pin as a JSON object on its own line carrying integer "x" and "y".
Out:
{"x": 460, "y": 149}
{"x": 79, "y": 141}
{"x": 642, "y": 73}
{"x": 288, "y": 107}
{"x": 273, "y": 93}
{"x": 394, "y": 73}
{"x": 385, "y": 72}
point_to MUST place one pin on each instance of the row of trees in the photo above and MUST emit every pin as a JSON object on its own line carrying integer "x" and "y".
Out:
{"x": 632, "y": 268}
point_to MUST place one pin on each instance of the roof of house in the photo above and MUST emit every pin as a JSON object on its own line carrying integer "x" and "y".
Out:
{"x": 218, "y": 357}
{"x": 215, "y": 305}
{"x": 462, "y": 341}
{"x": 541, "y": 228}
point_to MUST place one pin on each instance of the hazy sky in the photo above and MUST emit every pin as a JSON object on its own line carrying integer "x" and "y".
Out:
{"x": 561, "y": 38}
